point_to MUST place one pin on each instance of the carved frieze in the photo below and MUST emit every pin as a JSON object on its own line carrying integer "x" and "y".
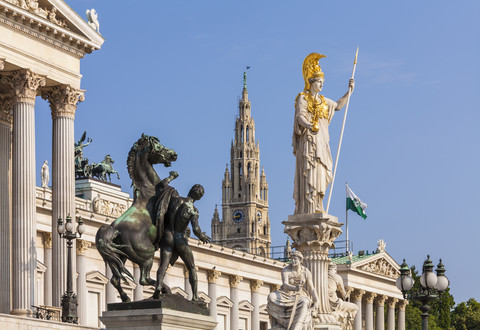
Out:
{"x": 381, "y": 267}
{"x": 63, "y": 100}
{"x": 32, "y": 6}
{"x": 108, "y": 208}
{"x": 24, "y": 84}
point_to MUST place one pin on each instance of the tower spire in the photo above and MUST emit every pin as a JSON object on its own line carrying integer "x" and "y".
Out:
{"x": 244, "y": 91}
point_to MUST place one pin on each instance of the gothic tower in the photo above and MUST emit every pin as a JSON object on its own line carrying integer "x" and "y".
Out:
{"x": 245, "y": 225}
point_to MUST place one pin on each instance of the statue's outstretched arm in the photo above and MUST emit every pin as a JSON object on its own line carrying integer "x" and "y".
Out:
{"x": 343, "y": 100}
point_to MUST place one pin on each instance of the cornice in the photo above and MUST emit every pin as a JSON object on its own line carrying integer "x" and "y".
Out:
{"x": 43, "y": 30}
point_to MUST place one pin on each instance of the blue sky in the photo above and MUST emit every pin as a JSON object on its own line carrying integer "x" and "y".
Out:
{"x": 174, "y": 70}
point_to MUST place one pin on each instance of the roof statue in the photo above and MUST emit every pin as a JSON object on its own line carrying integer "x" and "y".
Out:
{"x": 92, "y": 17}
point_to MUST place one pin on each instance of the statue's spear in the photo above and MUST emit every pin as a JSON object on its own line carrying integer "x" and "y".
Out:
{"x": 341, "y": 134}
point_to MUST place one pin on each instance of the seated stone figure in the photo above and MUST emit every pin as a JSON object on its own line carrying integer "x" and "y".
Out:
{"x": 291, "y": 306}
{"x": 344, "y": 311}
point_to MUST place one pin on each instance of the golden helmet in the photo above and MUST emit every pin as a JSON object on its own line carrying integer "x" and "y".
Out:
{"x": 311, "y": 68}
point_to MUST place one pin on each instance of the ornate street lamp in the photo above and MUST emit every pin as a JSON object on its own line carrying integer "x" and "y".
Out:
{"x": 432, "y": 285}
{"x": 69, "y": 298}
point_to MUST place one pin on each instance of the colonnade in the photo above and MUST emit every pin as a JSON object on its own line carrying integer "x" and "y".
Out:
{"x": 18, "y": 180}
{"x": 371, "y": 311}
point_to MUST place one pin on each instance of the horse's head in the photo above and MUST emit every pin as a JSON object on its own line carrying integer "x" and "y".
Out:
{"x": 159, "y": 154}
{"x": 109, "y": 160}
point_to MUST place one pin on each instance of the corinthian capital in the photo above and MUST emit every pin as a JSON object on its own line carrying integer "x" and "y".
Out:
{"x": 6, "y": 106}
{"x": 63, "y": 100}
{"x": 255, "y": 285}
{"x": 82, "y": 246}
{"x": 213, "y": 275}
{"x": 24, "y": 84}
{"x": 235, "y": 280}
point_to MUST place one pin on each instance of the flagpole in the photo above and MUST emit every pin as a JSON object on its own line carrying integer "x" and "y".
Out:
{"x": 346, "y": 214}
{"x": 341, "y": 134}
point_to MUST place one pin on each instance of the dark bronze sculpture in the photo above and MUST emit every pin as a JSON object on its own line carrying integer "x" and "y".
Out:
{"x": 102, "y": 169}
{"x": 158, "y": 217}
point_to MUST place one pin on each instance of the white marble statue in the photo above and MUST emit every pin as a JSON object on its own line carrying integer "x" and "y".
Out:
{"x": 344, "y": 311}
{"x": 92, "y": 17}
{"x": 293, "y": 305}
{"x": 313, "y": 113}
{"x": 45, "y": 174}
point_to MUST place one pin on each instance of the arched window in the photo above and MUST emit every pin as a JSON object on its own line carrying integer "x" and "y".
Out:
{"x": 248, "y": 135}
{"x": 239, "y": 176}
{"x": 241, "y": 133}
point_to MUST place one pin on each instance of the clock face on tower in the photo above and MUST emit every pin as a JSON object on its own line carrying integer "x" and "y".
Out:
{"x": 238, "y": 216}
{"x": 259, "y": 217}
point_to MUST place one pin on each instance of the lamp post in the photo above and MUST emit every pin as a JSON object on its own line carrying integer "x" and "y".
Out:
{"x": 432, "y": 285}
{"x": 69, "y": 298}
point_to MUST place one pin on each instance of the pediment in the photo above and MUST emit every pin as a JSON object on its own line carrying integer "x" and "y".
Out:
{"x": 245, "y": 305}
{"x": 41, "y": 268}
{"x": 97, "y": 277}
{"x": 179, "y": 291}
{"x": 53, "y": 22}
{"x": 381, "y": 264}
{"x": 206, "y": 299}
{"x": 263, "y": 309}
{"x": 224, "y": 301}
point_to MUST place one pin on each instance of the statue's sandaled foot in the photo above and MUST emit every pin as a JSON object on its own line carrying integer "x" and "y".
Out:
{"x": 156, "y": 294}
{"x": 166, "y": 289}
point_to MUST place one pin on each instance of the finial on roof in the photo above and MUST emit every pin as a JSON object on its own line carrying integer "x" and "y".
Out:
{"x": 245, "y": 78}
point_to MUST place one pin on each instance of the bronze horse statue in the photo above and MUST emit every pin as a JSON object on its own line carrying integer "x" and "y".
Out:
{"x": 136, "y": 234}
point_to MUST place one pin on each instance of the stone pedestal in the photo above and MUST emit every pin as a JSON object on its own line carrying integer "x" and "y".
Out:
{"x": 313, "y": 235}
{"x": 170, "y": 312}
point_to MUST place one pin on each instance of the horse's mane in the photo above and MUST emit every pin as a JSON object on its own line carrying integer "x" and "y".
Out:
{"x": 144, "y": 141}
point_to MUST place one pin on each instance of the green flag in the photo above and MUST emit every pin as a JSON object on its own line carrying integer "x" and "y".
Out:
{"x": 355, "y": 204}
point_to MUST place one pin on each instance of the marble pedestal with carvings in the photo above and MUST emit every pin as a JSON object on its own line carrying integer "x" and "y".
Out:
{"x": 313, "y": 235}
{"x": 169, "y": 312}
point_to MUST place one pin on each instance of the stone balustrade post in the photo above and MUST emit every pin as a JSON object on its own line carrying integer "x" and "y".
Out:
{"x": 234, "y": 314}
{"x": 369, "y": 298}
{"x": 313, "y": 235}
{"x": 82, "y": 292}
{"x": 213, "y": 276}
{"x": 391, "y": 302}
{"x": 47, "y": 252}
{"x": 401, "y": 314}
{"x": 63, "y": 101}
{"x": 6, "y": 123}
{"x": 138, "y": 291}
{"x": 255, "y": 286}
{"x": 24, "y": 84}
{"x": 356, "y": 298}
{"x": 380, "y": 319}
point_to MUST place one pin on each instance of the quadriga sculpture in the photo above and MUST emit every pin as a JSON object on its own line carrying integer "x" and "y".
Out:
{"x": 136, "y": 234}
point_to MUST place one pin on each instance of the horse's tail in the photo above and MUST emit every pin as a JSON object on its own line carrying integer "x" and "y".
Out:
{"x": 111, "y": 252}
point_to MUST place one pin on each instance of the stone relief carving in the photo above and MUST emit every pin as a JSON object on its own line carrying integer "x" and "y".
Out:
{"x": 92, "y": 17}
{"x": 32, "y": 6}
{"x": 380, "y": 267}
{"x": 108, "y": 208}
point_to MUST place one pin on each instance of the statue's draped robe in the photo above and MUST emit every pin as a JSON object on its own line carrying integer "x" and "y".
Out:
{"x": 281, "y": 307}
{"x": 313, "y": 166}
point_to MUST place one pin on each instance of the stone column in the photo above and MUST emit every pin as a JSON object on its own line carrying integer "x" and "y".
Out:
{"x": 82, "y": 292}
{"x": 63, "y": 103}
{"x": 186, "y": 284}
{"x": 255, "y": 286}
{"x": 369, "y": 298}
{"x": 24, "y": 257}
{"x": 401, "y": 314}
{"x": 234, "y": 282}
{"x": 111, "y": 292}
{"x": 391, "y": 302}
{"x": 313, "y": 235}
{"x": 138, "y": 291}
{"x": 212, "y": 290}
{"x": 356, "y": 298}
{"x": 47, "y": 252}
{"x": 6, "y": 121}
{"x": 380, "y": 319}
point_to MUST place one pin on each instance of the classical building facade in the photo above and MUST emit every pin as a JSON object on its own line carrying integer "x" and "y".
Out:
{"x": 245, "y": 224}
{"x": 42, "y": 43}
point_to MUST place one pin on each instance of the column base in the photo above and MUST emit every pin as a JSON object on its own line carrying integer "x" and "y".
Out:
{"x": 327, "y": 327}
{"x": 22, "y": 312}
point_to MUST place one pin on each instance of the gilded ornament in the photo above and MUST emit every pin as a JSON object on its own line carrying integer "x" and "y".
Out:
{"x": 311, "y": 68}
